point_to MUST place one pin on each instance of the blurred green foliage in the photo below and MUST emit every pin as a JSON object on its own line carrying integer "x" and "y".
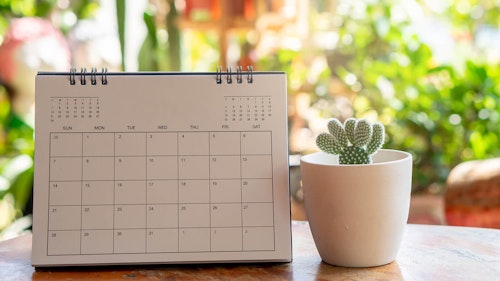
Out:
{"x": 443, "y": 114}
{"x": 161, "y": 49}
{"x": 16, "y": 162}
{"x": 296, "y": 64}
{"x": 80, "y": 9}
{"x": 16, "y": 132}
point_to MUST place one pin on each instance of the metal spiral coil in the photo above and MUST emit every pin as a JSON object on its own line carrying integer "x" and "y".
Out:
{"x": 239, "y": 74}
{"x": 93, "y": 76}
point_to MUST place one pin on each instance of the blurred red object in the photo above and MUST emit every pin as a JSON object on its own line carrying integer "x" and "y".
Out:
{"x": 472, "y": 195}
{"x": 30, "y": 45}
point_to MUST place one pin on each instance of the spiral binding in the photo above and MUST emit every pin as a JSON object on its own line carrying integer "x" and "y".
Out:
{"x": 72, "y": 73}
{"x": 93, "y": 75}
{"x": 219, "y": 74}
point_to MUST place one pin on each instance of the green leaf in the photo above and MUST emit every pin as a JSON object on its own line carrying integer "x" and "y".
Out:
{"x": 337, "y": 130}
{"x": 349, "y": 126}
{"x": 377, "y": 140}
{"x": 362, "y": 133}
{"x": 328, "y": 144}
{"x": 120, "y": 19}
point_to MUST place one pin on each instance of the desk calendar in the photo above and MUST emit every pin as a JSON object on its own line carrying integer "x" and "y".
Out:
{"x": 135, "y": 168}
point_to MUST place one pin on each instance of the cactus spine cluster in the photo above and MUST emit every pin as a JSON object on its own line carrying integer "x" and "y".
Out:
{"x": 355, "y": 141}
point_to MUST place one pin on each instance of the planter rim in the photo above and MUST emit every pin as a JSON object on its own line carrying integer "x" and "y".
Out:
{"x": 405, "y": 157}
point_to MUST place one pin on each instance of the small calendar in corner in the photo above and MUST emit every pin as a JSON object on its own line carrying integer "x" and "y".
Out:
{"x": 158, "y": 168}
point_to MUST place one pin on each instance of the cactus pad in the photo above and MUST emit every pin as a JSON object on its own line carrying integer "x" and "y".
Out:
{"x": 355, "y": 142}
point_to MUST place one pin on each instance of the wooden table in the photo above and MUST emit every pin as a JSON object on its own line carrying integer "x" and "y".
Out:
{"x": 427, "y": 253}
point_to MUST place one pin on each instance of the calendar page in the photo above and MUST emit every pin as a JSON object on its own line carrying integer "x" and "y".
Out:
{"x": 135, "y": 168}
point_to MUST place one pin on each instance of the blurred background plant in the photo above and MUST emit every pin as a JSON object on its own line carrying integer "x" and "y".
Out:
{"x": 428, "y": 72}
{"x": 426, "y": 69}
{"x": 32, "y": 36}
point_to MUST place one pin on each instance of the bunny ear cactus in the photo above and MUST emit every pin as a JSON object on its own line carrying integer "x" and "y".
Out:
{"x": 355, "y": 141}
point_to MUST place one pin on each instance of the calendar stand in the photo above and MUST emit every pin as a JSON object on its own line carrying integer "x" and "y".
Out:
{"x": 201, "y": 175}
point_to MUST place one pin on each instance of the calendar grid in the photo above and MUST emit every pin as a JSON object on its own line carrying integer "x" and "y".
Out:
{"x": 178, "y": 197}
{"x": 209, "y": 197}
{"x": 81, "y": 194}
{"x": 146, "y": 241}
{"x": 241, "y": 200}
{"x": 113, "y": 191}
{"x": 134, "y": 223}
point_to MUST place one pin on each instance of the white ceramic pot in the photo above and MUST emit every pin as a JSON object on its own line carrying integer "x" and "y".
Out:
{"x": 357, "y": 213}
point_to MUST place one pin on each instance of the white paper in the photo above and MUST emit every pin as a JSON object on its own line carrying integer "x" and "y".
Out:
{"x": 160, "y": 168}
